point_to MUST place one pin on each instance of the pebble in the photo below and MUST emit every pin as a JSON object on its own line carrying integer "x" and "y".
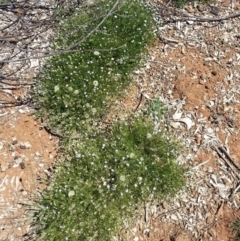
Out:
{"x": 174, "y": 217}
{"x": 190, "y": 22}
{"x": 214, "y": 10}
{"x": 15, "y": 155}
{"x": 190, "y": 9}
{"x": 200, "y": 8}
{"x": 38, "y": 154}
{"x": 14, "y": 140}
{"x": 214, "y": 73}
{"x": 4, "y": 166}
{"x": 25, "y": 145}
{"x": 165, "y": 205}
{"x": 18, "y": 161}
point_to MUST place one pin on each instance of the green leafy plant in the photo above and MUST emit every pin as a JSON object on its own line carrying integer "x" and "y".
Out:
{"x": 77, "y": 86}
{"x": 5, "y": 1}
{"x": 156, "y": 109}
{"x": 107, "y": 176}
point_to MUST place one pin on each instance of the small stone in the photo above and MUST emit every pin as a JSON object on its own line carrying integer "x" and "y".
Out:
{"x": 214, "y": 10}
{"x": 165, "y": 205}
{"x": 174, "y": 217}
{"x": 24, "y": 193}
{"x": 190, "y": 9}
{"x": 202, "y": 82}
{"x": 190, "y": 22}
{"x": 14, "y": 140}
{"x": 25, "y": 145}
{"x": 214, "y": 72}
{"x": 203, "y": 76}
{"x": 210, "y": 220}
{"x": 210, "y": 170}
{"x": 19, "y": 161}
{"x": 4, "y": 166}
{"x": 28, "y": 145}
{"x": 21, "y": 111}
{"x": 38, "y": 154}
{"x": 15, "y": 155}
{"x": 22, "y": 146}
{"x": 200, "y": 8}
{"x": 22, "y": 165}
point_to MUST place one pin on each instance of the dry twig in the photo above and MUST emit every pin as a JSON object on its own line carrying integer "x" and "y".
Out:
{"x": 197, "y": 19}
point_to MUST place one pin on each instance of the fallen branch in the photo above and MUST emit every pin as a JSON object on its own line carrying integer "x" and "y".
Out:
{"x": 197, "y": 19}
{"x": 228, "y": 160}
{"x": 51, "y": 132}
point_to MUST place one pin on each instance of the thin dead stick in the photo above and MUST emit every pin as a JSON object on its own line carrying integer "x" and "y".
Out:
{"x": 166, "y": 6}
{"x": 229, "y": 161}
{"x": 167, "y": 212}
{"x": 139, "y": 103}
{"x": 47, "y": 54}
{"x": 50, "y": 131}
{"x": 196, "y": 19}
{"x": 228, "y": 156}
{"x": 97, "y": 27}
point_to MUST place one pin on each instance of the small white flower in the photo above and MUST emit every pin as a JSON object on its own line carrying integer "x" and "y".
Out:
{"x": 76, "y": 92}
{"x": 149, "y": 136}
{"x": 132, "y": 155}
{"x": 56, "y": 88}
{"x": 95, "y": 83}
{"x": 96, "y": 53}
{"x": 71, "y": 193}
{"x": 94, "y": 110}
{"x": 122, "y": 178}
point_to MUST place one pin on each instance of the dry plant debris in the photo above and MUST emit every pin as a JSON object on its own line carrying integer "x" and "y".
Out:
{"x": 27, "y": 151}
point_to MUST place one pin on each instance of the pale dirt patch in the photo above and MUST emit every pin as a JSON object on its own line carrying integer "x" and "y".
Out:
{"x": 27, "y": 153}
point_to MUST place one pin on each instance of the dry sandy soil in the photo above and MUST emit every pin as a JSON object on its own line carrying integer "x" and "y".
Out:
{"x": 194, "y": 69}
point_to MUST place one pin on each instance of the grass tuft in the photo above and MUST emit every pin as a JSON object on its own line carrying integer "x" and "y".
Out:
{"x": 105, "y": 174}
{"x": 77, "y": 87}
{"x": 106, "y": 178}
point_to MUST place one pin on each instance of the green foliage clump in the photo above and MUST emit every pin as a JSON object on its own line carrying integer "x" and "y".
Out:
{"x": 105, "y": 179}
{"x": 106, "y": 174}
{"x": 77, "y": 86}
